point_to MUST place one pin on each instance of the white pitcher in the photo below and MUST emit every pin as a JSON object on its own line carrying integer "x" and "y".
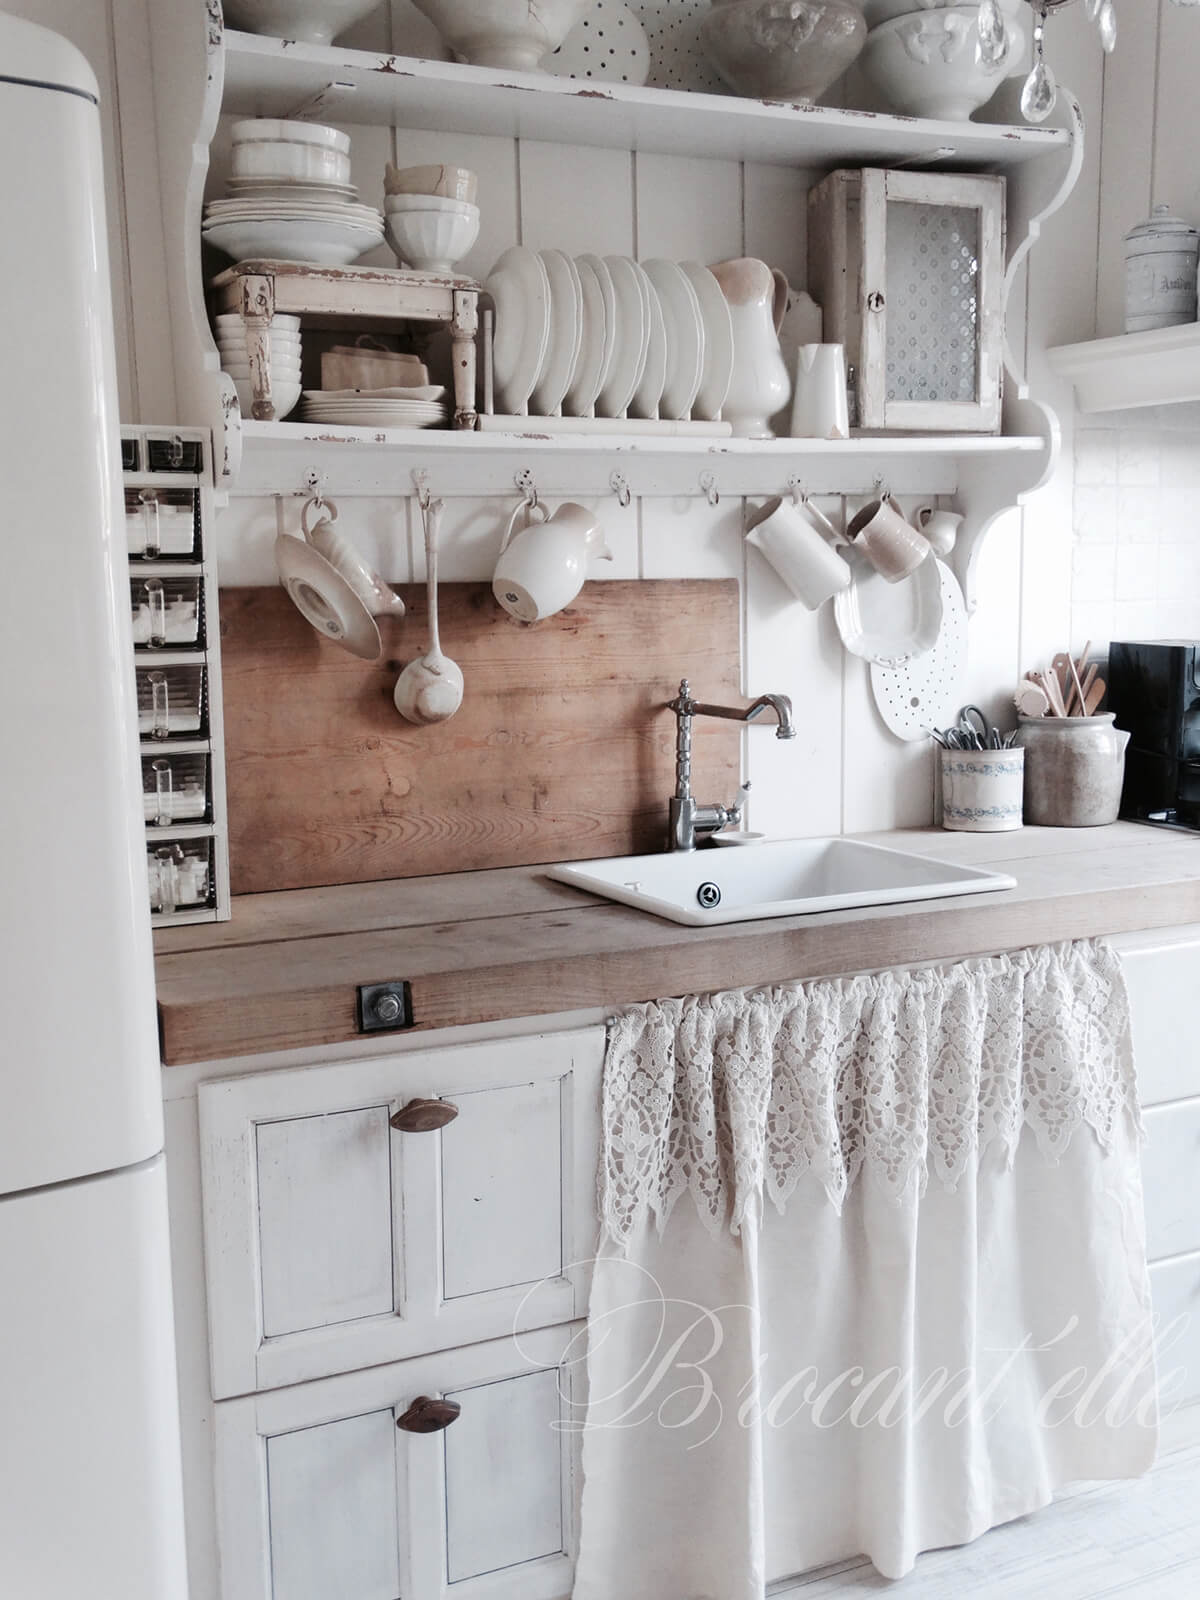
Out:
{"x": 543, "y": 568}
{"x": 759, "y": 385}
{"x": 819, "y": 407}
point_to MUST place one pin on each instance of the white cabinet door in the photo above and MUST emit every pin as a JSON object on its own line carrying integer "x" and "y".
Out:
{"x": 1175, "y": 1290}
{"x": 1171, "y": 1179}
{"x": 321, "y": 1494}
{"x": 1162, "y": 972}
{"x": 334, "y": 1241}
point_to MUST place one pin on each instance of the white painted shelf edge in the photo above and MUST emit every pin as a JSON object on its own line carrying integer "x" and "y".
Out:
{"x": 288, "y": 457}
{"x": 1158, "y": 368}
{"x": 266, "y": 77}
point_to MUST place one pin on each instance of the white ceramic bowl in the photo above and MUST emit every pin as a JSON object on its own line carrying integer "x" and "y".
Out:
{"x": 283, "y": 397}
{"x": 308, "y": 21}
{"x": 284, "y": 371}
{"x": 504, "y": 33}
{"x": 281, "y": 322}
{"x": 925, "y": 64}
{"x": 429, "y": 202}
{"x": 250, "y": 129}
{"x": 289, "y": 159}
{"x": 451, "y": 183}
{"x": 877, "y": 11}
{"x": 323, "y": 244}
{"x": 235, "y": 350}
{"x": 780, "y": 52}
{"x": 431, "y": 241}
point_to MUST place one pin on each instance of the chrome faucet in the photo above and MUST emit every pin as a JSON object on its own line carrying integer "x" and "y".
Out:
{"x": 691, "y": 822}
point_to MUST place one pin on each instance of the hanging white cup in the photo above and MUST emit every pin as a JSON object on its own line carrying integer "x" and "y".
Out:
{"x": 798, "y": 540}
{"x": 542, "y": 568}
{"x": 820, "y": 409}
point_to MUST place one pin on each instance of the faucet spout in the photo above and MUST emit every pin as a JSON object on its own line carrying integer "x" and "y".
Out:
{"x": 782, "y": 706}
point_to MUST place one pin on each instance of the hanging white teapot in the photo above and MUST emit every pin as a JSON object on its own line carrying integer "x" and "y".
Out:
{"x": 543, "y": 568}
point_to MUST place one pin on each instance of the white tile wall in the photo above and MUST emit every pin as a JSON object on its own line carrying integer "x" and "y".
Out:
{"x": 1136, "y": 557}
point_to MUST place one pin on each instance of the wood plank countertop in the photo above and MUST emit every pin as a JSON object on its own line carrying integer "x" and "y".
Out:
{"x": 481, "y": 946}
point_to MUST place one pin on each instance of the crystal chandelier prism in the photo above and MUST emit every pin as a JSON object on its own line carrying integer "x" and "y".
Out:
{"x": 1040, "y": 93}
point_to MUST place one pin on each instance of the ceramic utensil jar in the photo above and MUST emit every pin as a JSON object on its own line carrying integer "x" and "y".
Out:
{"x": 1074, "y": 768}
{"x": 759, "y": 385}
{"x": 543, "y": 568}
{"x": 982, "y": 790}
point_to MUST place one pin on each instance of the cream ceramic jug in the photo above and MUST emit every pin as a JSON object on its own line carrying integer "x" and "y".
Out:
{"x": 759, "y": 385}
{"x": 543, "y": 568}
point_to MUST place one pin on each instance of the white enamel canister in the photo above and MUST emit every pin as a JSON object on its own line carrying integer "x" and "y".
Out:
{"x": 1160, "y": 272}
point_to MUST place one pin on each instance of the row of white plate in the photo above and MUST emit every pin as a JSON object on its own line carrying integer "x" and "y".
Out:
{"x": 607, "y": 337}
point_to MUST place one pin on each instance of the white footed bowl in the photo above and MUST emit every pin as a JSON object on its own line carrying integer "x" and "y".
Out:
{"x": 283, "y": 396}
{"x": 308, "y": 21}
{"x": 925, "y": 64}
{"x": 504, "y": 33}
{"x": 431, "y": 241}
{"x": 782, "y": 52}
{"x": 429, "y": 202}
{"x": 289, "y": 160}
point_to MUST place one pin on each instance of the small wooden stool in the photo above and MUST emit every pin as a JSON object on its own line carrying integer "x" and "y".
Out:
{"x": 349, "y": 297}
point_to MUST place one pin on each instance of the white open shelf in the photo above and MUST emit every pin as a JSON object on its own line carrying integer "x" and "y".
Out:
{"x": 266, "y": 78}
{"x": 1158, "y": 368}
{"x": 285, "y": 457}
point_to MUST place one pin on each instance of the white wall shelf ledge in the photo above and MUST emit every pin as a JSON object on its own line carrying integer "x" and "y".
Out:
{"x": 1161, "y": 367}
{"x": 265, "y": 77}
{"x": 286, "y": 457}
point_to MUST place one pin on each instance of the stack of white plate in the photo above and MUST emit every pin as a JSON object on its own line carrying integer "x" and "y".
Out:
{"x": 285, "y": 360}
{"x": 290, "y": 197}
{"x": 608, "y": 337}
{"x": 376, "y": 408}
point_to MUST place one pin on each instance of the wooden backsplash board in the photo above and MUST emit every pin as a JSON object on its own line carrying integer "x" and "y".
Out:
{"x": 562, "y": 749}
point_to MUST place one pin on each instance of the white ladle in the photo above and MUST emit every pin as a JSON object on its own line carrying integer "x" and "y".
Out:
{"x": 430, "y": 689}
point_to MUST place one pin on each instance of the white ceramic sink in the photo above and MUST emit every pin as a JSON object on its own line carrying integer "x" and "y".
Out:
{"x": 784, "y": 878}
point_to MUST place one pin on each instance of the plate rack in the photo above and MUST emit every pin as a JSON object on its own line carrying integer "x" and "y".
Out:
{"x": 167, "y": 476}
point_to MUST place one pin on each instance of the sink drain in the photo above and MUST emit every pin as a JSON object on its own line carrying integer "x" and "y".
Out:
{"x": 708, "y": 895}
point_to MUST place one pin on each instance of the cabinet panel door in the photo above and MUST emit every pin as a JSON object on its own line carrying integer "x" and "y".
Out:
{"x": 333, "y": 1511}
{"x": 1175, "y": 1289}
{"x": 502, "y": 1188}
{"x": 334, "y": 1241}
{"x": 324, "y": 1219}
{"x": 1171, "y": 1179}
{"x": 320, "y": 1494}
{"x": 1163, "y": 979}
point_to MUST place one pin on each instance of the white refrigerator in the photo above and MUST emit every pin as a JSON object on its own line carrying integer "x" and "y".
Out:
{"x": 90, "y": 1480}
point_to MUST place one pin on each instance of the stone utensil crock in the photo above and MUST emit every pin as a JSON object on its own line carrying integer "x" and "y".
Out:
{"x": 1074, "y": 767}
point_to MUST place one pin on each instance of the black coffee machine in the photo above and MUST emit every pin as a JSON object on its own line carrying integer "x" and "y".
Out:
{"x": 1154, "y": 693}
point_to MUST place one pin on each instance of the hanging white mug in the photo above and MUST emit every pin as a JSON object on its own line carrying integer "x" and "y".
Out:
{"x": 543, "y": 568}
{"x": 798, "y": 541}
{"x": 819, "y": 406}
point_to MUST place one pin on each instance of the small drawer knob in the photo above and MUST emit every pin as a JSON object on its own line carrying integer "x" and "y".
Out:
{"x": 428, "y": 1416}
{"x": 423, "y": 1116}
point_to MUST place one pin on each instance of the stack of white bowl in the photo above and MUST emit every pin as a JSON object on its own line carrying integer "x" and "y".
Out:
{"x": 923, "y": 56}
{"x": 290, "y": 197}
{"x": 285, "y": 360}
{"x": 430, "y": 215}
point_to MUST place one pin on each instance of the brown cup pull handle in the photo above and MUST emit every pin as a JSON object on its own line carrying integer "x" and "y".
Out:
{"x": 428, "y": 1416}
{"x": 423, "y": 1116}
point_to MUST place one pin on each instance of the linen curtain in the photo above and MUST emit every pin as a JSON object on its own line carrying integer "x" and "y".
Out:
{"x": 872, "y": 1271}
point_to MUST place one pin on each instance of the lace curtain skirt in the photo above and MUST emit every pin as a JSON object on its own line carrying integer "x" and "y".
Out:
{"x": 872, "y": 1272}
